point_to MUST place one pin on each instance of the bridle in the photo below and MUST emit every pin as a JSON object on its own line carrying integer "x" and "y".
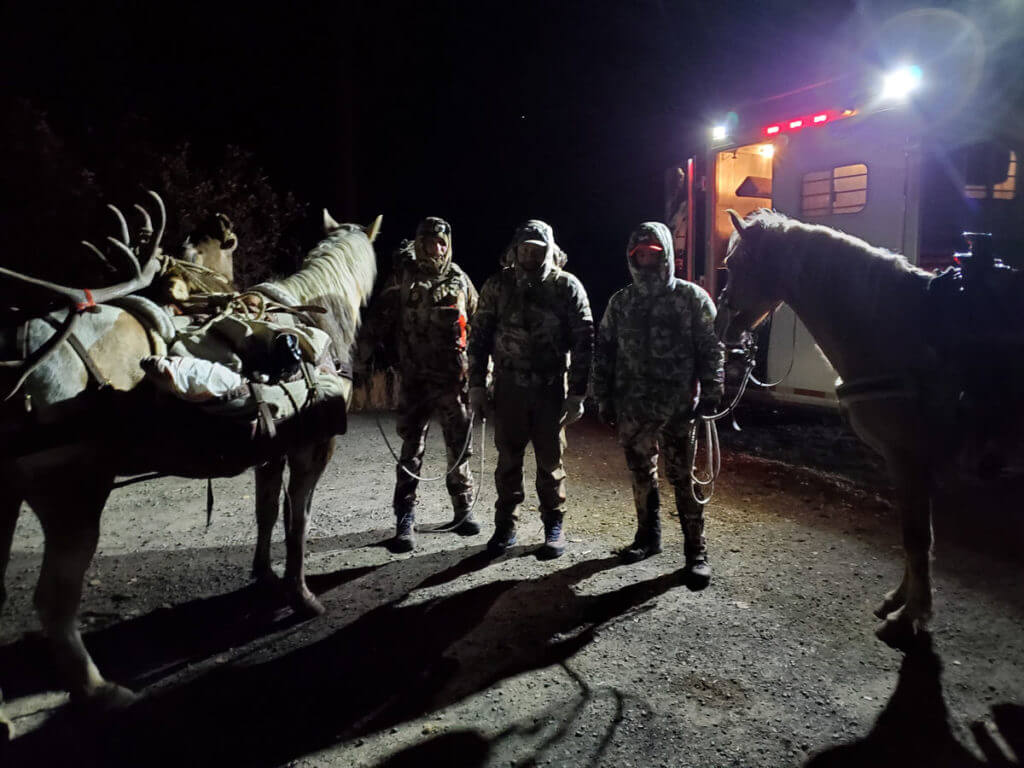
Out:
{"x": 746, "y": 349}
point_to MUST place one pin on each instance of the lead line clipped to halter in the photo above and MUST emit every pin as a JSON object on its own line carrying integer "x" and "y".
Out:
{"x": 713, "y": 451}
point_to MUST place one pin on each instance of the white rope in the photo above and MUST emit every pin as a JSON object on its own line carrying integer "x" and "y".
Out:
{"x": 409, "y": 472}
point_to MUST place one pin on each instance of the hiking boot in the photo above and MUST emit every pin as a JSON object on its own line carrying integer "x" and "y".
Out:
{"x": 647, "y": 541}
{"x": 405, "y": 532}
{"x": 646, "y": 544}
{"x": 468, "y": 527}
{"x": 503, "y": 539}
{"x": 697, "y": 571}
{"x": 554, "y": 538}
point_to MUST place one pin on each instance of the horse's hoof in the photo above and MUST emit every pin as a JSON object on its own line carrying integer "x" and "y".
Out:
{"x": 6, "y": 731}
{"x": 901, "y": 632}
{"x": 265, "y": 576}
{"x": 107, "y": 697}
{"x": 888, "y": 605}
{"x": 305, "y": 604}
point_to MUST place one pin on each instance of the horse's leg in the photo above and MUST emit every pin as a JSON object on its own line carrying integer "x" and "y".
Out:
{"x": 71, "y": 527}
{"x": 304, "y": 470}
{"x": 895, "y": 598}
{"x": 912, "y": 599}
{"x": 269, "y": 477}
{"x": 10, "y": 506}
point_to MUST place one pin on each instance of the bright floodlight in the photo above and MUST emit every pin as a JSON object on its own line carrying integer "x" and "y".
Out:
{"x": 900, "y": 82}
{"x": 719, "y": 132}
{"x": 766, "y": 150}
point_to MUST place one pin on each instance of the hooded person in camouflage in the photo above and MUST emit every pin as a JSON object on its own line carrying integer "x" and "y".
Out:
{"x": 534, "y": 318}
{"x": 656, "y": 342}
{"x": 429, "y": 307}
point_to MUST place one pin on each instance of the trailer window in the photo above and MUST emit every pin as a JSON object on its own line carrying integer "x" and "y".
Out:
{"x": 1003, "y": 190}
{"x": 843, "y": 189}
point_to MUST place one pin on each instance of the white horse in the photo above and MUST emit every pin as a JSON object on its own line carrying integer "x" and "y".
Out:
{"x": 869, "y": 311}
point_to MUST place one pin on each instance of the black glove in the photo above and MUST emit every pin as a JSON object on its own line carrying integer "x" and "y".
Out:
{"x": 606, "y": 413}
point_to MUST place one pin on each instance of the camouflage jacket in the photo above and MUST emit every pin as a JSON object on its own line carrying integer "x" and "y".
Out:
{"x": 430, "y": 317}
{"x": 656, "y": 340}
{"x": 533, "y": 329}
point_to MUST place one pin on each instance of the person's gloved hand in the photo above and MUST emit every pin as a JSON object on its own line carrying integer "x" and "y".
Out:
{"x": 478, "y": 402}
{"x": 606, "y": 413}
{"x": 572, "y": 409}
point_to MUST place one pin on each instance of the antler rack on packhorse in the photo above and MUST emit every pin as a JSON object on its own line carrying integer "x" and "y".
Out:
{"x": 932, "y": 366}
{"x": 101, "y": 387}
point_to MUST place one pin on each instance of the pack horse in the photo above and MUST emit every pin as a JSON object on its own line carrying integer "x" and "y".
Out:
{"x": 67, "y": 437}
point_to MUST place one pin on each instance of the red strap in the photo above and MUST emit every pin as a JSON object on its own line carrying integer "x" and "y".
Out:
{"x": 88, "y": 303}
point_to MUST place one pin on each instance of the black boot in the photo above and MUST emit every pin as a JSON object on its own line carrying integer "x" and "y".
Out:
{"x": 405, "y": 531}
{"x": 504, "y": 537}
{"x": 697, "y": 571}
{"x": 463, "y": 523}
{"x": 554, "y": 537}
{"x": 648, "y": 531}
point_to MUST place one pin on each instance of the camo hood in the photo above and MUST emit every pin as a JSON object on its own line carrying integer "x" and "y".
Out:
{"x": 431, "y": 264}
{"x": 652, "y": 280}
{"x": 536, "y": 232}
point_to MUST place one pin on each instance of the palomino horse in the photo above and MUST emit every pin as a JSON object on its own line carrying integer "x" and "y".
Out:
{"x": 868, "y": 310}
{"x": 68, "y": 439}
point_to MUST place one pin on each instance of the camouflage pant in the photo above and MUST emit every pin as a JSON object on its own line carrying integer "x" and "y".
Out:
{"x": 641, "y": 440}
{"x": 417, "y": 402}
{"x": 524, "y": 415}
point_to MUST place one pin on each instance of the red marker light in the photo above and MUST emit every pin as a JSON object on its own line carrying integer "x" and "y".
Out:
{"x": 820, "y": 118}
{"x": 795, "y": 123}
{"x": 771, "y": 130}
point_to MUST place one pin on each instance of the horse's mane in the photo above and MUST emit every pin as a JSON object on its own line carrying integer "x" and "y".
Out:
{"x": 828, "y": 244}
{"x": 338, "y": 275}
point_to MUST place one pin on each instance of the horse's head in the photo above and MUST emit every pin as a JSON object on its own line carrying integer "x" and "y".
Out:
{"x": 752, "y": 291}
{"x": 331, "y": 227}
{"x": 212, "y": 245}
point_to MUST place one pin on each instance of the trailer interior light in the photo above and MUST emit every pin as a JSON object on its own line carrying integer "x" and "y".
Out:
{"x": 719, "y": 132}
{"x": 766, "y": 150}
{"x": 901, "y": 82}
{"x": 818, "y": 119}
{"x": 796, "y": 123}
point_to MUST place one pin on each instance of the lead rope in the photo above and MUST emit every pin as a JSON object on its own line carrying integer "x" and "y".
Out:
{"x": 445, "y": 527}
{"x": 713, "y": 451}
{"x": 409, "y": 472}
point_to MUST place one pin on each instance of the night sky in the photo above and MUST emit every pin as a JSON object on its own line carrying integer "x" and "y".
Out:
{"x": 482, "y": 112}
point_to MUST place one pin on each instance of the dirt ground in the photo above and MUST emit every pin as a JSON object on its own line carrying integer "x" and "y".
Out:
{"x": 444, "y": 657}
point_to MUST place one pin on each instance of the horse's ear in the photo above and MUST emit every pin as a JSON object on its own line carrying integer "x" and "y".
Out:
{"x": 737, "y": 222}
{"x": 329, "y": 223}
{"x": 374, "y": 229}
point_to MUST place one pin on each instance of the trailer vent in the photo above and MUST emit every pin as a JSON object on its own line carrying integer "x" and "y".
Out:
{"x": 839, "y": 190}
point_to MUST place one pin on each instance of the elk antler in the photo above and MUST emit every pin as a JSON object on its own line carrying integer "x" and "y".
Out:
{"x": 124, "y": 224}
{"x": 83, "y": 298}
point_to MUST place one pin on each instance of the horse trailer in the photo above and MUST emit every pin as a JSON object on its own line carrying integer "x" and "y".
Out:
{"x": 888, "y": 160}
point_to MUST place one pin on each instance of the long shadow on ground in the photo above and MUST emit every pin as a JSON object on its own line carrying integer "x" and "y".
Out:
{"x": 914, "y": 731}
{"x": 141, "y": 651}
{"x": 391, "y": 665}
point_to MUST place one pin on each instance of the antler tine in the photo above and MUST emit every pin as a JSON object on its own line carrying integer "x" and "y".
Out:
{"x": 124, "y": 224}
{"x": 129, "y": 253}
{"x": 84, "y": 298}
{"x": 163, "y": 222}
{"x": 99, "y": 255}
{"x": 147, "y": 223}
